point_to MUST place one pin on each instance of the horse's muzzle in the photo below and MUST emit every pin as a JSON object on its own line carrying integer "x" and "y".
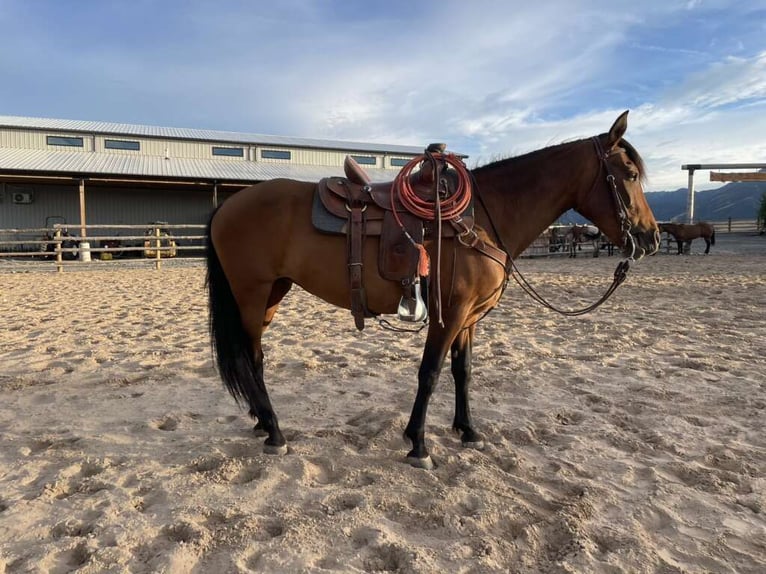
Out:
{"x": 642, "y": 243}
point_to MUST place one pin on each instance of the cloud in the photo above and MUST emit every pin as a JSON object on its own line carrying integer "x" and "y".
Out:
{"x": 489, "y": 78}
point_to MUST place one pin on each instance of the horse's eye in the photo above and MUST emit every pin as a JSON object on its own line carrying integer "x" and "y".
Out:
{"x": 632, "y": 177}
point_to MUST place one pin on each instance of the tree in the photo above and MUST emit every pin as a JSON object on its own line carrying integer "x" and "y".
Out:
{"x": 762, "y": 215}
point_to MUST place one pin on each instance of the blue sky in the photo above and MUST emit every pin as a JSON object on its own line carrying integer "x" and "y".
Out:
{"x": 490, "y": 78}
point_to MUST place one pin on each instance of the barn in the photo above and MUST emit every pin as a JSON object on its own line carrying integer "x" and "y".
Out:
{"x": 91, "y": 172}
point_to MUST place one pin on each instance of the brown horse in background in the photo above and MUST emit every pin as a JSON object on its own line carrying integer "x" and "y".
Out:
{"x": 579, "y": 234}
{"x": 261, "y": 241}
{"x": 684, "y": 233}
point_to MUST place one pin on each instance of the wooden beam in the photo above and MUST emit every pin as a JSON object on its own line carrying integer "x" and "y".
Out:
{"x": 82, "y": 209}
{"x": 746, "y": 176}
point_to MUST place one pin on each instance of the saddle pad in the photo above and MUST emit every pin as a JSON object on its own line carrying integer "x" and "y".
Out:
{"x": 327, "y": 221}
{"x": 323, "y": 220}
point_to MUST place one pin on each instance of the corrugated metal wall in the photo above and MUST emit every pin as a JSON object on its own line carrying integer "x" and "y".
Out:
{"x": 30, "y": 139}
{"x": 104, "y": 205}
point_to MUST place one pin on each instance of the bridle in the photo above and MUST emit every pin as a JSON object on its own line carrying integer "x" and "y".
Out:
{"x": 622, "y": 208}
{"x": 620, "y": 273}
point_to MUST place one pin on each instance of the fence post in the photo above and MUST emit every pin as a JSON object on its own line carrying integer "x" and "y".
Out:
{"x": 157, "y": 256}
{"x": 59, "y": 263}
{"x": 730, "y": 225}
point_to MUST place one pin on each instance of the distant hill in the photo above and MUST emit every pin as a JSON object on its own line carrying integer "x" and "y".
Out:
{"x": 736, "y": 200}
{"x": 739, "y": 200}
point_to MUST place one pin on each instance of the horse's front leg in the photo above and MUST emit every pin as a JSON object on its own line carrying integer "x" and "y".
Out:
{"x": 461, "y": 371}
{"x": 434, "y": 353}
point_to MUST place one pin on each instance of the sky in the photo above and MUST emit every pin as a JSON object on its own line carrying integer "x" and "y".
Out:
{"x": 492, "y": 79}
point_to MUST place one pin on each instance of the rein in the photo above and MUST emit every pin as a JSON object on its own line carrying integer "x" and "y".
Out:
{"x": 620, "y": 273}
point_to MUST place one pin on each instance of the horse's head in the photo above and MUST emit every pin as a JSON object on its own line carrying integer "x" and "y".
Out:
{"x": 667, "y": 227}
{"x": 616, "y": 202}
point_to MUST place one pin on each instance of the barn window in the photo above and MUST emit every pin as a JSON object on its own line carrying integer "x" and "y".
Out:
{"x": 122, "y": 144}
{"x": 399, "y": 161}
{"x": 365, "y": 159}
{"x": 66, "y": 141}
{"x": 275, "y": 154}
{"x": 229, "y": 151}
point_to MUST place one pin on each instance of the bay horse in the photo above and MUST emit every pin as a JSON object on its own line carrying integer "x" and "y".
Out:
{"x": 261, "y": 241}
{"x": 685, "y": 233}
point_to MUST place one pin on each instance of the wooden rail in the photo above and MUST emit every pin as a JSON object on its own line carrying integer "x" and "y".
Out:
{"x": 735, "y": 225}
{"x": 741, "y": 176}
{"x": 51, "y": 243}
{"x": 56, "y": 244}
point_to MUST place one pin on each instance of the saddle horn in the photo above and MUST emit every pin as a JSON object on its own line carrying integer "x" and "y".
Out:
{"x": 426, "y": 172}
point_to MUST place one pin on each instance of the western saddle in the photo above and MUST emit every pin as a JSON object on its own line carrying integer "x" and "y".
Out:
{"x": 360, "y": 208}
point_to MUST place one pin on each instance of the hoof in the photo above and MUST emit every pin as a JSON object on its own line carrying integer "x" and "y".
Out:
{"x": 258, "y": 431}
{"x": 475, "y": 445}
{"x": 275, "y": 449}
{"x": 424, "y": 463}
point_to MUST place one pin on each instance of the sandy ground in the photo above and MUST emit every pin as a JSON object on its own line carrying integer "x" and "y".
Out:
{"x": 628, "y": 440}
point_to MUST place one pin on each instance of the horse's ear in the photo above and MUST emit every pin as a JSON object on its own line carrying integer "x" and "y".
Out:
{"x": 618, "y": 129}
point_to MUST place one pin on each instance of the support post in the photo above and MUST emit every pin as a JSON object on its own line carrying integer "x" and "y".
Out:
{"x": 690, "y": 200}
{"x": 59, "y": 262}
{"x": 158, "y": 256}
{"x": 84, "y": 250}
{"x": 82, "y": 209}
{"x": 215, "y": 194}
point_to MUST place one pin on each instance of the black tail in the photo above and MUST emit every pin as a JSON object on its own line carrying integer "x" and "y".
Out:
{"x": 232, "y": 346}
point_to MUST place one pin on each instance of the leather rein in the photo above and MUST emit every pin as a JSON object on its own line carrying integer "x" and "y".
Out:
{"x": 620, "y": 273}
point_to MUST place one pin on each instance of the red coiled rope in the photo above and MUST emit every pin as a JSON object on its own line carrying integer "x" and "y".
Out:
{"x": 437, "y": 209}
{"x": 448, "y": 208}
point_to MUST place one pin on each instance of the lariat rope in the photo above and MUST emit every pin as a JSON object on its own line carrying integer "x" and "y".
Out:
{"x": 442, "y": 206}
{"x": 447, "y": 207}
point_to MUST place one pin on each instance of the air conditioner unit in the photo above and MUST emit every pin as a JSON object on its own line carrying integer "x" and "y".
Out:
{"x": 19, "y": 197}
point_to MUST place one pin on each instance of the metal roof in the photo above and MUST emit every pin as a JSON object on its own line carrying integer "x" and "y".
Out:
{"x": 92, "y": 127}
{"x": 84, "y": 164}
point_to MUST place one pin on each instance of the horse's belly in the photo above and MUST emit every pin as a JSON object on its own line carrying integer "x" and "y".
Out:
{"x": 322, "y": 270}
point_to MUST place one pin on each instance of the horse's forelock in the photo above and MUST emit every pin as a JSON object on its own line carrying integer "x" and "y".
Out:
{"x": 636, "y": 158}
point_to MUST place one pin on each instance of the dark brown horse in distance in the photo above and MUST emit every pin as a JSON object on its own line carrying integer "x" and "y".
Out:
{"x": 261, "y": 241}
{"x": 579, "y": 234}
{"x": 684, "y": 233}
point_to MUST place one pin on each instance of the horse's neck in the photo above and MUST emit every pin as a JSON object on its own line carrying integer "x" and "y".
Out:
{"x": 525, "y": 195}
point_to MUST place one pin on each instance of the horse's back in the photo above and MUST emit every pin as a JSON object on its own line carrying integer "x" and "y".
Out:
{"x": 264, "y": 233}
{"x": 269, "y": 201}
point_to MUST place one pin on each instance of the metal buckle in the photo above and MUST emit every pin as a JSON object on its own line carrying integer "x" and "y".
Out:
{"x": 364, "y": 208}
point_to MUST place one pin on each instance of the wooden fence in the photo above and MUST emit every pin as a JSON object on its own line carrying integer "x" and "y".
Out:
{"x": 736, "y": 226}
{"x": 157, "y": 241}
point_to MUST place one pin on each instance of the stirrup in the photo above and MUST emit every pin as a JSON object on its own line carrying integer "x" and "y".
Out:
{"x": 413, "y": 309}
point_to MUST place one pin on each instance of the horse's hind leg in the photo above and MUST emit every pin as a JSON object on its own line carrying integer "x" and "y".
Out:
{"x": 256, "y": 315}
{"x": 461, "y": 353}
{"x": 707, "y": 245}
{"x": 279, "y": 289}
